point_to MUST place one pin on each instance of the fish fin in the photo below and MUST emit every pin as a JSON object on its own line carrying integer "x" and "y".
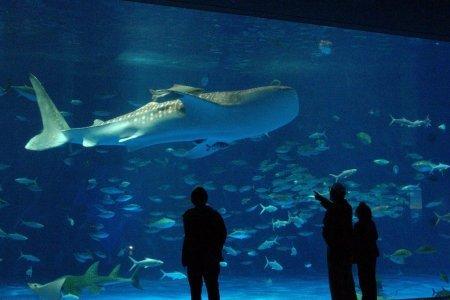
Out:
{"x": 98, "y": 122}
{"x": 49, "y": 291}
{"x": 267, "y": 262}
{"x": 95, "y": 289}
{"x": 179, "y": 88}
{"x": 92, "y": 270}
{"x": 53, "y": 122}
{"x": 275, "y": 240}
{"x": 135, "y": 279}
{"x": 115, "y": 272}
{"x": 392, "y": 120}
{"x": 133, "y": 136}
{"x": 336, "y": 177}
{"x": 73, "y": 291}
{"x": 163, "y": 274}
{"x": 87, "y": 142}
{"x": 71, "y": 296}
{"x": 135, "y": 263}
{"x": 263, "y": 209}
{"x": 438, "y": 218}
{"x": 206, "y": 148}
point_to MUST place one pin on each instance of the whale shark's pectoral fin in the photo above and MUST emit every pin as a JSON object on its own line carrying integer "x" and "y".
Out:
{"x": 88, "y": 142}
{"x": 133, "y": 136}
{"x": 206, "y": 148}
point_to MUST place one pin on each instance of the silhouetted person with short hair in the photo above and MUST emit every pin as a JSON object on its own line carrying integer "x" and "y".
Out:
{"x": 204, "y": 237}
{"x": 338, "y": 234}
{"x": 366, "y": 251}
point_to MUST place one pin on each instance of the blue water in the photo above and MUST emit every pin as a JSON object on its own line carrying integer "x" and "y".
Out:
{"x": 244, "y": 287}
{"x": 108, "y": 54}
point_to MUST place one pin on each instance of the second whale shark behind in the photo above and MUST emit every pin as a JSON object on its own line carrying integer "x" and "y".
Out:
{"x": 214, "y": 120}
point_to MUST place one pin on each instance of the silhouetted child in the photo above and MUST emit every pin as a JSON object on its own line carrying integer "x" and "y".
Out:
{"x": 366, "y": 251}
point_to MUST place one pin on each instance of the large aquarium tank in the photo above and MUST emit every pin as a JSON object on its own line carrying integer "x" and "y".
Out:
{"x": 113, "y": 111}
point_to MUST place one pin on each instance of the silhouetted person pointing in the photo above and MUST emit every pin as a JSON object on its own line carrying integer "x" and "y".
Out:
{"x": 366, "y": 251}
{"x": 338, "y": 234}
{"x": 204, "y": 237}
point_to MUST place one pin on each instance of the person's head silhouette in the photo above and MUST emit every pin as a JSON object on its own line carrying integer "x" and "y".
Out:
{"x": 363, "y": 212}
{"x": 337, "y": 192}
{"x": 199, "y": 196}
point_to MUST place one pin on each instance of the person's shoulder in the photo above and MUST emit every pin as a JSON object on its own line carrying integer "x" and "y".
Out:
{"x": 213, "y": 212}
{"x": 347, "y": 205}
{"x": 188, "y": 212}
{"x": 372, "y": 224}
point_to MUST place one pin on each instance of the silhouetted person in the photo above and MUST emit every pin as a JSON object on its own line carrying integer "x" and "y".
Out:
{"x": 366, "y": 251}
{"x": 338, "y": 234}
{"x": 204, "y": 237}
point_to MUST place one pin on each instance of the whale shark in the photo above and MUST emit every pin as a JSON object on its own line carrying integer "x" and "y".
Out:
{"x": 212, "y": 120}
{"x": 71, "y": 285}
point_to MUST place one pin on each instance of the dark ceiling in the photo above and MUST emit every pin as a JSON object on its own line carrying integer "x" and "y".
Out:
{"x": 428, "y": 19}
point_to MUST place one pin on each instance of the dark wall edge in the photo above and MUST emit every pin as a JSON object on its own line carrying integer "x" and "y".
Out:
{"x": 427, "y": 19}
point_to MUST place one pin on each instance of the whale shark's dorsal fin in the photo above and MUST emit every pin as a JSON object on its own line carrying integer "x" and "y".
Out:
{"x": 98, "y": 122}
{"x": 185, "y": 89}
{"x": 174, "y": 90}
{"x": 49, "y": 291}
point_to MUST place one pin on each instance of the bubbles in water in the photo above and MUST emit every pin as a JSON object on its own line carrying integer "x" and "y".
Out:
{"x": 395, "y": 169}
{"x": 204, "y": 81}
{"x": 325, "y": 47}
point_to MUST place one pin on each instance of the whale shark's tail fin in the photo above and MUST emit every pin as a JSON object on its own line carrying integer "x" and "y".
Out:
{"x": 53, "y": 122}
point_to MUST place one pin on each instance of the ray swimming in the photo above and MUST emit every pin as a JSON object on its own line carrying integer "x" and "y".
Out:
{"x": 212, "y": 120}
{"x": 74, "y": 285}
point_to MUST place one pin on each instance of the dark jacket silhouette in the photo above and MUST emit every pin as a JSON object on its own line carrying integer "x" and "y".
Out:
{"x": 366, "y": 251}
{"x": 204, "y": 237}
{"x": 338, "y": 234}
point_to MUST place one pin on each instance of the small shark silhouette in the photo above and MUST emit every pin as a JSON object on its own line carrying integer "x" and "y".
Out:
{"x": 74, "y": 285}
{"x": 178, "y": 114}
